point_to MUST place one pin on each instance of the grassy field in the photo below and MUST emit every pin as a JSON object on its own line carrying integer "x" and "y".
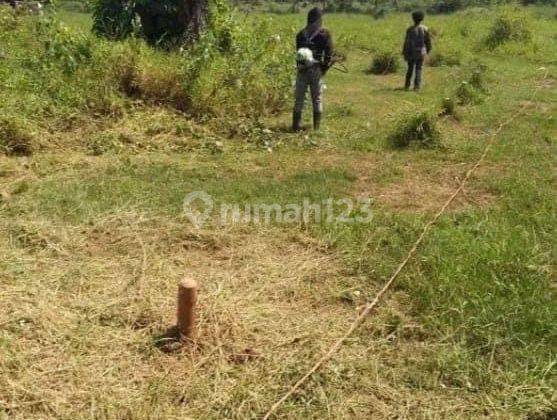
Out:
{"x": 93, "y": 238}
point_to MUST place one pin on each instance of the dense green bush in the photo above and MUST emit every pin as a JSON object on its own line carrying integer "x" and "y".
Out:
{"x": 239, "y": 72}
{"x": 478, "y": 77}
{"x": 511, "y": 25}
{"x": 63, "y": 47}
{"x": 234, "y": 73}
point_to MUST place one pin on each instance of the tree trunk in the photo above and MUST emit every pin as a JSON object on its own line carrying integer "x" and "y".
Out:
{"x": 193, "y": 16}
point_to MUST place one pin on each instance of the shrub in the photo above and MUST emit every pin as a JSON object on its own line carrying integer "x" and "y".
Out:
{"x": 162, "y": 86}
{"x": 158, "y": 22}
{"x": 509, "y": 26}
{"x": 385, "y": 63}
{"x": 63, "y": 47}
{"x": 14, "y": 138}
{"x": 232, "y": 71}
{"x": 472, "y": 90}
{"x": 465, "y": 31}
{"x": 155, "y": 77}
{"x": 466, "y": 94}
{"x": 250, "y": 79}
{"x": 416, "y": 128}
{"x": 478, "y": 79}
{"x": 378, "y": 12}
{"x": 448, "y": 107}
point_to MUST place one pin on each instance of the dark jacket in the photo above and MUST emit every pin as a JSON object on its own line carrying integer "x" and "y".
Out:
{"x": 417, "y": 43}
{"x": 320, "y": 43}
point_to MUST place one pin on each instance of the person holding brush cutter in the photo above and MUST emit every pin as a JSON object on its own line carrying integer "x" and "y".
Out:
{"x": 314, "y": 57}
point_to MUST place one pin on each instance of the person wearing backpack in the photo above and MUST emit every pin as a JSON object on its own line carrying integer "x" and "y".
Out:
{"x": 417, "y": 45}
{"x": 314, "y": 47}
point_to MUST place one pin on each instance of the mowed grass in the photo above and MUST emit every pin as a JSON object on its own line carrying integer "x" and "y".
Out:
{"x": 92, "y": 247}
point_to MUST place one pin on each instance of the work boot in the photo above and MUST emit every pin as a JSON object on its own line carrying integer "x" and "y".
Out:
{"x": 297, "y": 121}
{"x": 317, "y": 120}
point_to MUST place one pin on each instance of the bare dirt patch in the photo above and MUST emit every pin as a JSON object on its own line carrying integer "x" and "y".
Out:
{"x": 538, "y": 106}
{"x": 419, "y": 190}
{"x": 546, "y": 83}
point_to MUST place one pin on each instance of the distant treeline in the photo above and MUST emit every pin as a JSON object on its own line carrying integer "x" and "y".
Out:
{"x": 377, "y": 8}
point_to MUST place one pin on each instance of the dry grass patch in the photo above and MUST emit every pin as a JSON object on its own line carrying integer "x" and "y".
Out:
{"x": 84, "y": 308}
{"x": 139, "y": 130}
{"x": 546, "y": 82}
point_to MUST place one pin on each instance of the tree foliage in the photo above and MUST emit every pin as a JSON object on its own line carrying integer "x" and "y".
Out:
{"x": 162, "y": 22}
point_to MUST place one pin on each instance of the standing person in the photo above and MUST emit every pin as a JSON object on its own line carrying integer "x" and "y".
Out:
{"x": 314, "y": 48}
{"x": 416, "y": 46}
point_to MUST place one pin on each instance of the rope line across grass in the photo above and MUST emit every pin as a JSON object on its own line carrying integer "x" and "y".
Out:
{"x": 370, "y": 306}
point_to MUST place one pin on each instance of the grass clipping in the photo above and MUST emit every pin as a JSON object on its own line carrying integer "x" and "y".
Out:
{"x": 419, "y": 129}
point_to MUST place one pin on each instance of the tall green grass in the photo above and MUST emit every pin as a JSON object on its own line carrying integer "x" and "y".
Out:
{"x": 54, "y": 73}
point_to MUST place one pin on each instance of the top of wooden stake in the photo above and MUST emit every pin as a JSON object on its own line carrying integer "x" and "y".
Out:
{"x": 188, "y": 282}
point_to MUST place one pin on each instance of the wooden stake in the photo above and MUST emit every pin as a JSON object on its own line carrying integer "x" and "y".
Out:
{"x": 187, "y": 299}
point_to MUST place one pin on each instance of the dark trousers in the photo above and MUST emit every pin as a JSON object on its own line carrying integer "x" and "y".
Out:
{"x": 414, "y": 66}
{"x": 309, "y": 78}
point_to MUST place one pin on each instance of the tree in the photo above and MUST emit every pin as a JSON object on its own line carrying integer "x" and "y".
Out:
{"x": 162, "y": 22}
{"x": 192, "y": 16}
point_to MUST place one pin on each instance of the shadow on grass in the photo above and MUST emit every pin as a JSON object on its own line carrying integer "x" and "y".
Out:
{"x": 169, "y": 340}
